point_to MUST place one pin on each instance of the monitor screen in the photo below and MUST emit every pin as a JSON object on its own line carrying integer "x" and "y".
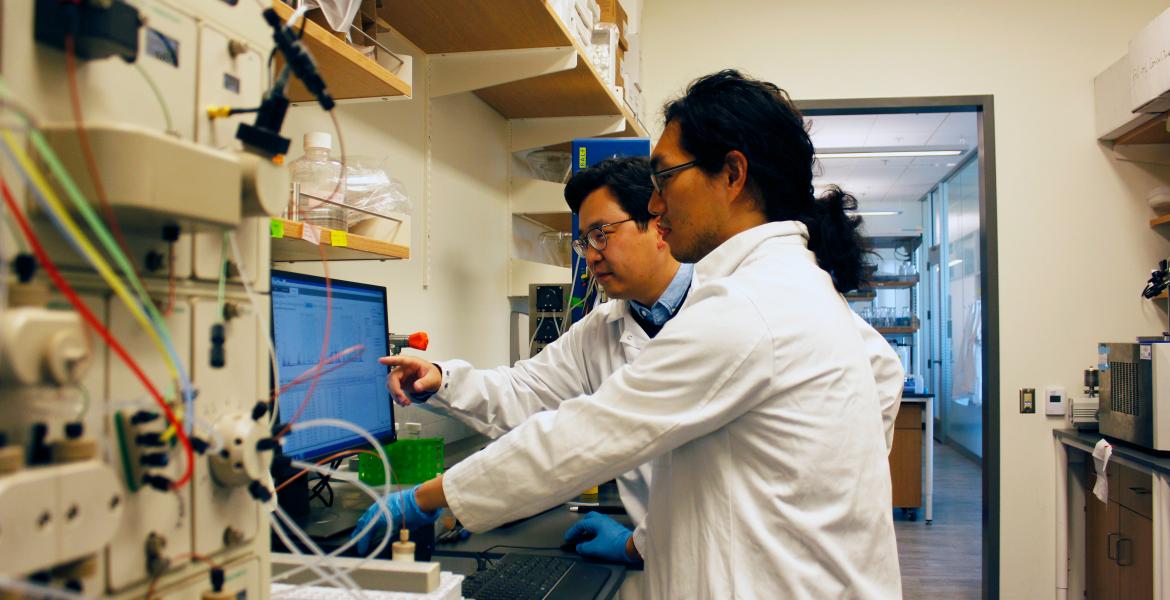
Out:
{"x": 352, "y": 389}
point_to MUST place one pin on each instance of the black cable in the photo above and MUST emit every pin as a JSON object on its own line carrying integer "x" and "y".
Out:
{"x": 324, "y": 484}
{"x": 319, "y": 492}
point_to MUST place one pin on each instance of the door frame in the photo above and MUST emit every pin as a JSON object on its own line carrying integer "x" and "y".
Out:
{"x": 983, "y": 106}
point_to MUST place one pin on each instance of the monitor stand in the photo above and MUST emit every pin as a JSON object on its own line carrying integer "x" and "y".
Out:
{"x": 322, "y": 522}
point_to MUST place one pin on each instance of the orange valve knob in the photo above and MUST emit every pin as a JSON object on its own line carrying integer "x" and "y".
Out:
{"x": 418, "y": 340}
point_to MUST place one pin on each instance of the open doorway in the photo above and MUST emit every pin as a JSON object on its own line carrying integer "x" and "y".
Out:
{"x": 922, "y": 171}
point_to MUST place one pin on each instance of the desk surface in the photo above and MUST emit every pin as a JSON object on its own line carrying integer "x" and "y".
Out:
{"x": 540, "y": 534}
{"x": 1085, "y": 441}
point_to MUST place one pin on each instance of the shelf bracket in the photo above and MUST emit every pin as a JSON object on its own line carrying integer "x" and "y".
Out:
{"x": 1150, "y": 154}
{"x": 458, "y": 72}
{"x": 538, "y": 133}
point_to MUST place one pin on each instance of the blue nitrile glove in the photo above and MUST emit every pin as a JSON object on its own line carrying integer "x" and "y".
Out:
{"x": 602, "y": 538}
{"x": 401, "y": 504}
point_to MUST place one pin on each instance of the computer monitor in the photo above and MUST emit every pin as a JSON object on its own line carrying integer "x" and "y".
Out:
{"x": 354, "y": 391}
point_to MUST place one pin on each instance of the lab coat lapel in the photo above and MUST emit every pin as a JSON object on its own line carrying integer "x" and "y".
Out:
{"x": 631, "y": 337}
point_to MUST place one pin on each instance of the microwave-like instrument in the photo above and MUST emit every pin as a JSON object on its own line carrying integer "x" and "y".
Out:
{"x": 1135, "y": 393}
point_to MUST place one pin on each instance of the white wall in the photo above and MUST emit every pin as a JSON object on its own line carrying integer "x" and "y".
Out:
{"x": 464, "y": 306}
{"x": 1074, "y": 246}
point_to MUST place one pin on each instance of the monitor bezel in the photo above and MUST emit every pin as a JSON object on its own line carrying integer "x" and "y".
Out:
{"x": 383, "y": 439}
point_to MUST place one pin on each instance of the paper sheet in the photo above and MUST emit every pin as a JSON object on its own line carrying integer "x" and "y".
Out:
{"x": 1101, "y": 454}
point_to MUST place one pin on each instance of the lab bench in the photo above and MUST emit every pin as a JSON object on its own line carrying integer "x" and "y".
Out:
{"x": 541, "y": 534}
{"x": 912, "y": 457}
{"x": 1114, "y": 549}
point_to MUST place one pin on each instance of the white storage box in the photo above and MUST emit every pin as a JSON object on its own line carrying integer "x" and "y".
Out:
{"x": 1112, "y": 103}
{"x": 1149, "y": 66}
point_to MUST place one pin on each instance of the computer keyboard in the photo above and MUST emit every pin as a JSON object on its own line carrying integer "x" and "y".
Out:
{"x": 528, "y": 576}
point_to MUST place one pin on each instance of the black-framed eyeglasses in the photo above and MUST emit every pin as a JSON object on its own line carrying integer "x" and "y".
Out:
{"x": 658, "y": 178}
{"x": 596, "y": 237}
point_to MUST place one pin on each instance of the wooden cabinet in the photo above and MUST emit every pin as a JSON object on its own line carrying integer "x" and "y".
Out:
{"x": 1119, "y": 545}
{"x": 906, "y": 457}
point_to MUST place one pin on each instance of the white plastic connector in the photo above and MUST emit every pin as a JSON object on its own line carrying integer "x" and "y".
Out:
{"x": 241, "y": 462}
{"x": 39, "y": 346}
{"x": 52, "y": 515}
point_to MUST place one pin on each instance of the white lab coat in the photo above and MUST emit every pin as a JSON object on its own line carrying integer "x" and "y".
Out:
{"x": 759, "y": 408}
{"x": 495, "y": 401}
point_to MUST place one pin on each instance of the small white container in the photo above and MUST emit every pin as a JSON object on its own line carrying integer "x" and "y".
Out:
{"x": 1159, "y": 199}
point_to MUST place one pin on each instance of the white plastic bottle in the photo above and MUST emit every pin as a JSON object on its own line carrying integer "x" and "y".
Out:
{"x": 315, "y": 176}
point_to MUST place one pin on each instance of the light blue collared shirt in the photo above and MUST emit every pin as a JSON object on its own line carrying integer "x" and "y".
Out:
{"x": 670, "y": 300}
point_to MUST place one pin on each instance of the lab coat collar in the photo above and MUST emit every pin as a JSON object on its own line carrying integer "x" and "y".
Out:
{"x": 618, "y": 311}
{"x": 726, "y": 258}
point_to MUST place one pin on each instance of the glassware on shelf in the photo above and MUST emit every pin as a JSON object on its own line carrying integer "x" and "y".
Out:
{"x": 550, "y": 165}
{"x": 315, "y": 176}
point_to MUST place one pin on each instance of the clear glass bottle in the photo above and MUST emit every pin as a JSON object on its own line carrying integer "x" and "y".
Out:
{"x": 315, "y": 177}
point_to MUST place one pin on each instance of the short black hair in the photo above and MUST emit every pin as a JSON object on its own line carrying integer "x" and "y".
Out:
{"x": 728, "y": 111}
{"x": 627, "y": 177}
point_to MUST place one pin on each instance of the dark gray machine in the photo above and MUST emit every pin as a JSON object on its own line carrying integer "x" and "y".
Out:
{"x": 548, "y": 305}
{"x": 1135, "y": 393}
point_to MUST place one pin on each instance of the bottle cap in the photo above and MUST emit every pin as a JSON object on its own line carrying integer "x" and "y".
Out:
{"x": 318, "y": 139}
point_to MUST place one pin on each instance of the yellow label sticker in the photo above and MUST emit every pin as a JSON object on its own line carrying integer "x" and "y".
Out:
{"x": 338, "y": 239}
{"x": 276, "y": 228}
{"x": 581, "y": 164}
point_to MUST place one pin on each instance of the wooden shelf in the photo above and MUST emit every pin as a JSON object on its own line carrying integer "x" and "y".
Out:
{"x": 898, "y": 283}
{"x": 448, "y": 26}
{"x": 1153, "y": 132}
{"x": 290, "y": 245}
{"x": 861, "y": 296}
{"x": 557, "y": 221}
{"x": 910, "y": 242}
{"x": 1162, "y": 220}
{"x": 348, "y": 73}
{"x": 897, "y": 330}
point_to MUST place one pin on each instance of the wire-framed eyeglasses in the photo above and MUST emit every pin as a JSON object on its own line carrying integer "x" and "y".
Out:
{"x": 595, "y": 237}
{"x": 658, "y": 179}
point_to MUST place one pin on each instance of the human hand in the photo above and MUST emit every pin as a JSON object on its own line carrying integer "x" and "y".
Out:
{"x": 410, "y": 375}
{"x": 602, "y": 538}
{"x": 404, "y": 513}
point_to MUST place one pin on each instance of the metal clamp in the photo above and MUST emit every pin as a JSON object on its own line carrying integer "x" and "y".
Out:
{"x": 348, "y": 207}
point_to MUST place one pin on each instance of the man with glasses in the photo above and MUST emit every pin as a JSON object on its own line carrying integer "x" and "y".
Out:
{"x": 757, "y": 403}
{"x": 646, "y": 285}
{"x": 623, "y": 248}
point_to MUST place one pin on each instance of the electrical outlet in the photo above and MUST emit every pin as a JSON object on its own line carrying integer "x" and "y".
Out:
{"x": 1027, "y": 400}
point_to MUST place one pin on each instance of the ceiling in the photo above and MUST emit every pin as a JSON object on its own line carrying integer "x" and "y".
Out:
{"x": 890, "y": 182}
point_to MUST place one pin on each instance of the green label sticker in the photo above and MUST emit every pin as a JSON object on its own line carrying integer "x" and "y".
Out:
{"x": 276, "y": 228}
{"x": 581, "y": 163}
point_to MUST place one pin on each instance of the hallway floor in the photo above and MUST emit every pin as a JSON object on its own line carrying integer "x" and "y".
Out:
{"x": 944, "y": 560}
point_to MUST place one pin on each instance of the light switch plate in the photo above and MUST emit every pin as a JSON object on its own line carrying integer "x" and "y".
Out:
{"x": 1027, "y": 400}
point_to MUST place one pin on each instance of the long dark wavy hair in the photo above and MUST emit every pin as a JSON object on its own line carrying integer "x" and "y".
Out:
{"x": 728, "y": 111}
